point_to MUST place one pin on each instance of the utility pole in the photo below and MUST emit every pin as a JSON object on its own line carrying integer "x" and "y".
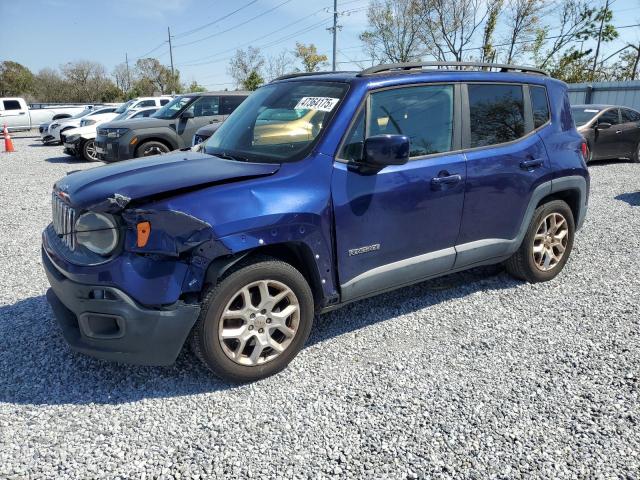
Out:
{"x": 335, "y": 32}
{"x": 603, "y": 16}
{"x": 126, "y": 60}
{"x": 173, "y": 77}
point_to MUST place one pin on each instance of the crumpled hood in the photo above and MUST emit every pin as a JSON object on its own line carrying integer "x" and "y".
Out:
{"x": 110, "y": 188}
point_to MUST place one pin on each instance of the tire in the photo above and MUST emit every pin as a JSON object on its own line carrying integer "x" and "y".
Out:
{"x": 531, "y": 265}
{"x": 635, "y": 157}
{"x": 150, "y": 148}
{"x": 238, "y": 358}
{"x": 88, "y": 151}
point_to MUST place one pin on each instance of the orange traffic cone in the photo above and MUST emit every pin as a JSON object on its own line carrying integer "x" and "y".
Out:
{"x": 8, "y": 144}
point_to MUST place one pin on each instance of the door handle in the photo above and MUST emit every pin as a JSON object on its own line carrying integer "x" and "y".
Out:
{"x": 618, "y": 132}
{"x": 530, "y": 164}
{"x": 445, "y": 179}
{"x": 22, "y": 113}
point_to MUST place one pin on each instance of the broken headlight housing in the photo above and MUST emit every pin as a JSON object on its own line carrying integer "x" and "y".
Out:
{"x": 97, "y": 232}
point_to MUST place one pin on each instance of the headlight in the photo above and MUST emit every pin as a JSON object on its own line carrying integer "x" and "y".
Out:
{"x": 97, "y": 232}
{"x": 54, "y": 125}
{"x": 116, "y": 132}
{"x": 84, "y": 123}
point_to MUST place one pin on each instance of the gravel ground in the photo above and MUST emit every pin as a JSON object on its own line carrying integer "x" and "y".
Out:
{"x": 474, "y": 375}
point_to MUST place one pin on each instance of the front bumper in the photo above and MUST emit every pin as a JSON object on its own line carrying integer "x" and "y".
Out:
{"x": 106, "y": 323}
{"x": 114, "y": 149}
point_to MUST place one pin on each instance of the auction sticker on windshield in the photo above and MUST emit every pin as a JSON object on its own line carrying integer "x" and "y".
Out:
{"x": 324, "y": 104}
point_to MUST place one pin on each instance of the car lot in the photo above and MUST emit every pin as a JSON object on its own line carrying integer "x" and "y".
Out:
{"x": 470, "y": 375}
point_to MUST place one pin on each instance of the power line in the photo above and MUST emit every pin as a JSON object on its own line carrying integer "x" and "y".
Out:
{"x": 202, "y": 27}
{"x": 295, "y": 22}
{"x": 235, "y": 26}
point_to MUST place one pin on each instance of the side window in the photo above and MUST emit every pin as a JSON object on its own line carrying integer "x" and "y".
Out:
{"x": 539, "y": 105}
{"x": 629, "y": 116}
{"x": 11, "y": 105}
{"x": 163, "y": 101}
{"x": 205, "y": 106}
{"x": 610, "y": 116}
{"x": 424, "y": 114}
{"x": 497, "y": 114}
{"x": 229, "y": 104}
{"x": 146, "y": 103}
{"x": 354, "y": 141}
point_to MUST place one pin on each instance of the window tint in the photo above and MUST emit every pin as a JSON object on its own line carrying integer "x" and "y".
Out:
{"x": 354, "y": 141}
{"x": 610, "y": 116}
{"x": 146, "y": 103}
{"x": 497, "y": 114}
{"x": 229, "y": 104}
{"x": 11, "y": 105}
{"x": 629, "y": 116}
{"x": 205, "y": 106}
{"x": 164, "y": 101}
{"x": 424, "y": 114}
{"x": 539, "y": 105}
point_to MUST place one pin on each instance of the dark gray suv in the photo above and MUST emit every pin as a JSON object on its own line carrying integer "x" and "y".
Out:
{"x": 171, "y": 127}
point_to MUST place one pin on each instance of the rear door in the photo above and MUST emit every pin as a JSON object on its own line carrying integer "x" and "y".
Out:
{"x": 399, "y": 225}
{"x": 506, "y": 160}
{"x": 606, "y": 141}
{"x": 630, "y": 127}
{"x": 14, "y": 114}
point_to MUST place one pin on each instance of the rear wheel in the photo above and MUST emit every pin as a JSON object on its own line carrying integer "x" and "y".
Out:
{"x": 546, "y": 245}
{"x": 151, "y": 148}
{"x": 89, "y": 151}
{"x": 254, "y": 322}
{"x": 635, "y": 157}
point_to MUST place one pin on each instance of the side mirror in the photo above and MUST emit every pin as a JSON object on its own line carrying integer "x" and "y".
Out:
{"x": 603, "y": 125}
{"x": 186, "y": 114}
{"x": 383, "y": 150}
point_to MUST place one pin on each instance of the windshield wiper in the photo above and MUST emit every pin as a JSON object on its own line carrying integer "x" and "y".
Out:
{"x": 228, "y": 156}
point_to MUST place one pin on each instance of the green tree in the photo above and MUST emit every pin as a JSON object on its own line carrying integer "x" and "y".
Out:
{"x": 195, "y": 87}
{"x": 253, "y": 81}
{"x": 308, "y": 55}
{"x": 153, "y": 77}
{"x": 15, "y": 79}
{"x": 244, "y": 64}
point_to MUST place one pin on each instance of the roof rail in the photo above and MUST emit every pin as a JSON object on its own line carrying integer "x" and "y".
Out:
{"x": 407, "y": 67}
{"x": 302, "y": 74}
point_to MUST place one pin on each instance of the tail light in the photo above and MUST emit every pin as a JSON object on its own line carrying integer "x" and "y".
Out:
{"x": 584, "y": 149}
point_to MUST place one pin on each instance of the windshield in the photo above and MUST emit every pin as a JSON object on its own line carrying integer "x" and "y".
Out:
{"x": 122, "y": 108}
{"x": 583, "y": 115}
{"x": 278, "y": 123}
{"x": 171, "y": 109}
{"x": 83, "y": 113}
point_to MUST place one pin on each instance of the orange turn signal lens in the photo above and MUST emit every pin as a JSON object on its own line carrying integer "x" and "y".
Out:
{"x": 144, "y": 229}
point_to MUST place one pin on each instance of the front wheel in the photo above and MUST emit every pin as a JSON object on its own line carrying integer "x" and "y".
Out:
{"x": 89, "y": 152}
{"x": 254, "y": 322}
{"x": 546, "y": 245}
{"x": 151, "y": 148}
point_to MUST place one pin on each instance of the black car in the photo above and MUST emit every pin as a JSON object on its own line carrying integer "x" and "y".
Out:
{"x": 170, "y": 128}
{"x": 611, "y": 131}
{"x": 203, "y": 133}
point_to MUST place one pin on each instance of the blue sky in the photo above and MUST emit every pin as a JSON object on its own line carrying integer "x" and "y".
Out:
{"x": 47, "y": 33}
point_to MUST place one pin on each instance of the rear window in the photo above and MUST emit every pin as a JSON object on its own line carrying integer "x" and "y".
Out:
{"x": 11, "y": 104}
{"x": 497, "y": 114}
{"x": 539, "y": 105}
{"x": 629, "y": 116}
{"x": 230, "y": 103}
{"x": 582, "y": 115}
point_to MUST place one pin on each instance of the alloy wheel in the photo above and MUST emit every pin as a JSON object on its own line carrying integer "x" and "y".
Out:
{"x": 90, "y": 150}
{"x": 259, "y": 322}
{"x": 550, "y": 241}
{"x": 153, "y": 150}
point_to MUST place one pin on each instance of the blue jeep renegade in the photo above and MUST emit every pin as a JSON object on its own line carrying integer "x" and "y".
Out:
{"x": 320, "y": 189}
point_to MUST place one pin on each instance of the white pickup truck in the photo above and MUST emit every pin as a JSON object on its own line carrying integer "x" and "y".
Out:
{"x": 17, "y": 115}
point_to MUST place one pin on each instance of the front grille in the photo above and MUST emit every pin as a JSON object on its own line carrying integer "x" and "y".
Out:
{"x": 64, "y": 219}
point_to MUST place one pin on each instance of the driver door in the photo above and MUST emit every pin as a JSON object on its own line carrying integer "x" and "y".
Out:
{"x": 399, "y": 225}
{"x": 205, "y": 110}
